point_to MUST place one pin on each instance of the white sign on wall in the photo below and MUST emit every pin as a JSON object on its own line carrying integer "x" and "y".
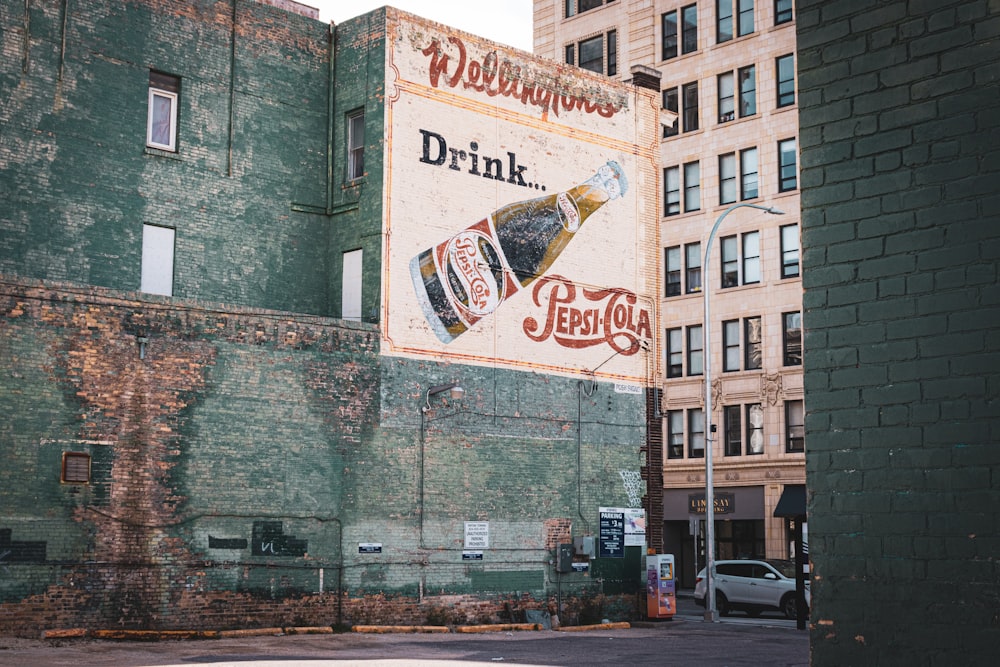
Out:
{"x": 477, "y": 534}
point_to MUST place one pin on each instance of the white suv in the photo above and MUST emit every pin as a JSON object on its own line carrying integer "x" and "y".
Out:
{"x": 753, "y": 586}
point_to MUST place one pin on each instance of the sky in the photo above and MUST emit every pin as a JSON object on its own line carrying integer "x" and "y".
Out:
{"x": 504, "y": 21}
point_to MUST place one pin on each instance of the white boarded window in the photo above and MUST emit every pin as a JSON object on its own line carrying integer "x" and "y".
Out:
{"x": 351, "y": 290}
{"x": 157, "y": 260}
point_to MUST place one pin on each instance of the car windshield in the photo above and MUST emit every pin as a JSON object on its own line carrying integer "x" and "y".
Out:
{"x": 785, "y": 567}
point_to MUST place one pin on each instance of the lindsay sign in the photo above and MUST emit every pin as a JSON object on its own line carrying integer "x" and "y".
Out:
{"x": 581, "y": 317}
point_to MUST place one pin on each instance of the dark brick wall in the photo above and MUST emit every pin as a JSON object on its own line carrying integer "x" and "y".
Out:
{"x": 900, "y": 132}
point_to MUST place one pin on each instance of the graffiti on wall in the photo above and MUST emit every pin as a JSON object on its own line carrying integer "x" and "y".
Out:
{"x": 269, "y": 539}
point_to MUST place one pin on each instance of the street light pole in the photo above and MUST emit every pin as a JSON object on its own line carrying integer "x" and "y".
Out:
{"x": 456, "y": 392}
{"x": 710, "y": 611}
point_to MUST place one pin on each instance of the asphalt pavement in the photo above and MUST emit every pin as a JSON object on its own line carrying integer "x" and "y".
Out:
{"x": 735, "y": 641}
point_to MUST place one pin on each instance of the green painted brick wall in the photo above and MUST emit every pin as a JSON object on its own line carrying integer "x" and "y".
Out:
{"x": 78, "y": 182}
{"x": 246, "y": 455}
{"x": 899, "y": 136}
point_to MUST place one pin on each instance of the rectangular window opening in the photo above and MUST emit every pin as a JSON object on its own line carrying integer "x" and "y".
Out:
{"x": 745, "y": 23}
{"x": 727, "y": 97}
{"x": 785, "y": 67}
{"x": 787, "y": 173}
{"x": 794, "y": 426}
{"x": 671, "y": 191}
{"x": 351, "y": 288}
{"x": 723, "y": 20}
{"x": 689, "y": 93}
{"x": 790, "y": 251}
{"x": 675, "y": 434}
{"x": 692, "y": 187}
{"x": 670, "y": 104}
{"x": 75, "y": 468}
{"x": 355, "y": 145}
{"x": 157, "y": 269}
{"x": 792, "y": 338}
{"x": 752, "y": 336}
{"x": 696, "y": 433}
{"x": 748, "y": 171}
{"x": 748, "y": 90}
{"x": 782, "y": 11}
{"x": 672, "y": 261}
{"x": 731, "y": 346}
{"x": 733, "y": 425}
{"x": 692, "y": 278}
{"x": 689, "y": 29}
{"x": 675, "y": 353}
{"x": 668, "y": 38}
{"x": 696, "y": 350}
{"x": 161, "y": 118}
{"x": 755, "y": 429}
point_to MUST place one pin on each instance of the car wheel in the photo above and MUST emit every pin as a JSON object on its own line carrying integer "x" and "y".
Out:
{"x": 722, "y": 604}
{"x": 789, "y": 607}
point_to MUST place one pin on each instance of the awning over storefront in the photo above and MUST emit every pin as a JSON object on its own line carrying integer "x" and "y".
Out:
{"x": 792, "y": 503}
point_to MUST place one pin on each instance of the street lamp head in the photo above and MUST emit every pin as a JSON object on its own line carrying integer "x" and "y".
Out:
{"x": 774, "y": 211}
{"x": 454, "y": 391}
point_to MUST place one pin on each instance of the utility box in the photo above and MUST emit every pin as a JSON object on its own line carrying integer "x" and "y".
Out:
{"x": 564, "y": 558}
{"x": 584, "y": 546}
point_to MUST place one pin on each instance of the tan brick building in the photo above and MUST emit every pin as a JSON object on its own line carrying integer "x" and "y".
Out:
{"x": 727, "y": 69}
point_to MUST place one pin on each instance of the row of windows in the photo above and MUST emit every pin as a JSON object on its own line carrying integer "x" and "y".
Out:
{"x": 594, "y": 53}
{"x": 157, "y": 269}
{"x": 679, "y": 28}
{"x": 740, "y": 257}
{"x": 739, "y": 178}
{"x": 742, "y": 345}
{"x": 161, "y": 123}
{"x": 574, "y": 7}
{"x": 742, "y": 428}
{"x": 683, "y": 100}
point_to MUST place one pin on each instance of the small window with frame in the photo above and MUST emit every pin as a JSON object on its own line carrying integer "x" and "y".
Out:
{"x": 355, "y": 144}
{"x": 75, "y": 468}
{"x": 161, "y": 119}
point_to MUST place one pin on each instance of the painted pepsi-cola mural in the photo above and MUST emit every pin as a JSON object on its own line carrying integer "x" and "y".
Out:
{"x": 520, "y": 209}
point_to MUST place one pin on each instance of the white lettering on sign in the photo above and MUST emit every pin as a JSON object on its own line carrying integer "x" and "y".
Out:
{"x": 477, "y": 534}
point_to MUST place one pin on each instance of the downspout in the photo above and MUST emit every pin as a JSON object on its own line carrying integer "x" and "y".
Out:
{"x": 27, "y": 37}
{"x": 62, "y": 43}
{"x": 331, "y": 97}
{"x": 232, "y": 90}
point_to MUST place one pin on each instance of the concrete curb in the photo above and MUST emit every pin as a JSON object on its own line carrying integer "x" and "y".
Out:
{"x": 402, "y": 629}
{"x": 157, "y": 635}
{"x": 598, "y": 626}
{"x": 504, "y": 627}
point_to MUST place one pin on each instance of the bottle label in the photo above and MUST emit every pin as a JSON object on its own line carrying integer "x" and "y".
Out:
{"x": 476, "y": 270}
{"x": 569, "y": 214}
{"x": 469, "y": 261}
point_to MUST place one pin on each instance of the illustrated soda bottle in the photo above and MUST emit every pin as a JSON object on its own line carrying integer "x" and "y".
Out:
{"x": 466, "y": 278}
